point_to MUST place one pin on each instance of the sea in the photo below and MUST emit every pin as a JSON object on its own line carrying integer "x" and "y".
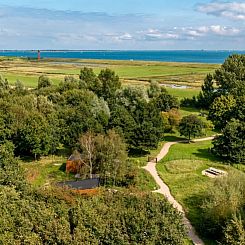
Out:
{"x": 192, "y": 56}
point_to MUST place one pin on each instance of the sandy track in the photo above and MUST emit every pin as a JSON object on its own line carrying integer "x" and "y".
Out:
{"x": 164, "y": 189}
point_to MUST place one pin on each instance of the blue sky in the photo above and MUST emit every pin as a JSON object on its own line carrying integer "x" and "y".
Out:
{"x": 126, "y": 24}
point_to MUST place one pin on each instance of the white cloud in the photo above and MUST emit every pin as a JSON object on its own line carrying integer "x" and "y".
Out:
{"x": 231, "y": 10}
{"x": 158, "y": 35}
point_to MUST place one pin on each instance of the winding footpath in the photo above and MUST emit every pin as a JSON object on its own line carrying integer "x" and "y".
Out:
{"x": 164, "y": 189}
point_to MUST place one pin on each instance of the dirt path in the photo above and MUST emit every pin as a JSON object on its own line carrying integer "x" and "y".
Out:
{"x": 164, "y": 189}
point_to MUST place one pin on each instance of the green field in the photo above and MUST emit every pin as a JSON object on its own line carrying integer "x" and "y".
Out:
{"x": 131, "y": 72}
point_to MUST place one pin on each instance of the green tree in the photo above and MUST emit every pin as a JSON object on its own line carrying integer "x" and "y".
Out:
{"x": 104, "y": 154}
{"x": 230, "y": 78}
{"x": 131, "y": 98}
{"x": 124, "y": 123}
{"x": 20, "y": 88}
{"x": 111, "y": 157}
{"x": 34, "y": 137}
{"x": 149, "y": 130}
{"x": 155, "y": 89}
{"x": 89, "y": 80}
{"x": 231, "y": 144}
{"x": 11, "y": 174}
{"x": 234, "y": 232}
{"x": 191, "y": 126}
{"x": 110, "y": 83}
{"x": 171, "y": 119}
{"x": 222, "y": 110}
{"x": 166, "y": 102}
{"x": 43, "y": 82}
{"x": 207, "y": 95}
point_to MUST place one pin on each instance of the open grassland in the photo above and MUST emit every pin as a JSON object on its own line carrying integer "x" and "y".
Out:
{"x": 181, "y": 170}
{"x": 131, "y": 72}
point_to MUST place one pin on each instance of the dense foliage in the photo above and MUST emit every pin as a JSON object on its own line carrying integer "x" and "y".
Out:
{"x": 191, "y": 126}
{"x": 223, "y": 211}
{"x": 45, "y": 218}
{"x": 231, "y": 144}
{"x": 57, "y": 216}
{"x": 96, "y": 116}
{"x": 223, "y": 95}
{"x": 39, "y": 121}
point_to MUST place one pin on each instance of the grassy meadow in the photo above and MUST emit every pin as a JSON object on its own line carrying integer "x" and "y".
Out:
{"x": 131, "y": 72}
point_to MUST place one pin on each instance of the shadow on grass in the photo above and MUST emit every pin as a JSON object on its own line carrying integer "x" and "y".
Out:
{"x": 63, "y": 167}
{"x": 196, "y": 216}
{"x": 133, "y": 152}
{"x": 190, "y": 109}
{"x": 64, "y": 152}
{"x": 207, "y": 154}
{"x": 27, "y": 159}
{"x": 171, "y": 138}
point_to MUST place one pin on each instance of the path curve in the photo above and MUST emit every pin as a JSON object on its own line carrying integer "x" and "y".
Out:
{"x": 164, "y": 189}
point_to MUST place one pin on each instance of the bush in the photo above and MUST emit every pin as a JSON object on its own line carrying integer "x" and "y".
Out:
{"x": 224, "y": 199}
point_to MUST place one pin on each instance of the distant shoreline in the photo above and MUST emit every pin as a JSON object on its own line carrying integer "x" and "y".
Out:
{"x": 121, "y": 50}
{"x": 184, "y": 56}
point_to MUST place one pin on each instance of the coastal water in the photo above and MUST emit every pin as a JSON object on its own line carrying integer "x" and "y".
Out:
{"x": 196, "y": 56}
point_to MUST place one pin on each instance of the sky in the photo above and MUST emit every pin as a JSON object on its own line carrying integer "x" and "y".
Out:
{"x": 122, "y": 25}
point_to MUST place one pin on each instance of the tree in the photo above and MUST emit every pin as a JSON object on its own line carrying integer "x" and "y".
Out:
{"x": 43, "y": 82}
{"x": 222, "y": 110}
{"x": 87, "y": 143}
{"x": 165, "y": 102}
{"x": 20, "y": 88}
{"x": 123, "y": 123}
{"x": 230, "y": 78}
{"x": 11, "y": 174}
{"x": 207, "y": 95}
{"x": 104, "y": 154}
{"x": 69, "y": 83}
{"x": 171, "y": 119}
{"x": 110, "y": 83}
{"x": 231, "y": 144}
{"x": 191, "y": 126}
{"x": 34, "y": 137}
{"x": 155, "y": 89}
{"x": 223, "y": 200}
{"x": 234, "y": 232}
{"x": 89, "y": 80}
{"x": 131, "y": 98}
{"x": 111, "y": 157}
{"x": 149, "y": 129}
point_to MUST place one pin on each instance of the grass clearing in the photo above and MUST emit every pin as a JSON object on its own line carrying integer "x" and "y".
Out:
{"x": 182, "y": 170}
{"x": 46, "y": 171}
{"x": 181, "y": 93}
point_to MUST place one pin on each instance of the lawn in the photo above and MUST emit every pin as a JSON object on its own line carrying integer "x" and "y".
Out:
{"x": 181, "y": 170}
{"x": 46, "y": 171}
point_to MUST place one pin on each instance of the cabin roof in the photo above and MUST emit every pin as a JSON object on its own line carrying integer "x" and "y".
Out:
{"x": 75, "y": 157}
{"x": 81, "y": 184}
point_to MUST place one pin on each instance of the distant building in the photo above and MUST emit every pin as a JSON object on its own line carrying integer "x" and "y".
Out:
{"x": 38, "y": 55}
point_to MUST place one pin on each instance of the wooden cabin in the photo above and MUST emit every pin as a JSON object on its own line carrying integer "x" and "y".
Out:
{"x": 74, "y": 163}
